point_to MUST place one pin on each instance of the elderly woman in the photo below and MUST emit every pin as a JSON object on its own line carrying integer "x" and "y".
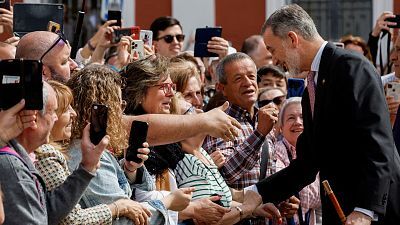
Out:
{"x": 99, "y": 84}
{"x": 149, "y": 89}
{"x": 52, "y": 164}
{"x": 185, "y": 74}
{"x": 291, "y": 125}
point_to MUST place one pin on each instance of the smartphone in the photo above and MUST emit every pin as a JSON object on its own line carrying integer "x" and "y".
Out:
{"x": 295, "y": 87}
{"x": 98, "y": 122}
{"x": 137, "y": 137}
{"x": 138, "y": 47}
{"x": 203, "y": 35}
{"x": 21, "y": 79}
{"x": 53, "y": 27}
{"x": 5, "y": 4}
{"x": 218, "y": 202}
{"x": 396, "y": 20}
{"x": 115, "y": 15}
{"x": 147, "y": 37}
{"x": 134, "y": 32}
{"x": 393, "y": 89}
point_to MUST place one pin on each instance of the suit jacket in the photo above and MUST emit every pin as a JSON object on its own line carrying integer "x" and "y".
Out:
{"x": 349, "y": 141}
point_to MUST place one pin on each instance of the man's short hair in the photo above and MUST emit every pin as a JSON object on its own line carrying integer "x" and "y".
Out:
{"x": 45, "y": 90}
{"x": 162, "y": 23}
{"x": 220, "y": 71}
{"x": 274, "y": 70}
{"x": 251, "y": 43}
{"x": 291, "y": 18}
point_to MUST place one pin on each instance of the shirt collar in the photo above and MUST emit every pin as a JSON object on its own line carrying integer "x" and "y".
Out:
{"x": 317, "y": 58}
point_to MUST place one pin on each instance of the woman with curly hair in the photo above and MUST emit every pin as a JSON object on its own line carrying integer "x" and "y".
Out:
{"x": 52, "y": 163}
{"x": 99, "y": 84}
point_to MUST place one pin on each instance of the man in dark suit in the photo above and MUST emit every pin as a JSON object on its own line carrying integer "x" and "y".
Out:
{"x": 347, "y": 134}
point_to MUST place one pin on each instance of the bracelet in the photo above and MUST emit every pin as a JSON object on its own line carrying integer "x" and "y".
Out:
{"x": 240, "y": 212}
{"x": 126, "y": 168}
{"x": 90, "y": 46}
{"x": 116, "y": 207}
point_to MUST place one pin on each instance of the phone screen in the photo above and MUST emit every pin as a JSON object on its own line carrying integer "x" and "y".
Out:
{"x": 21, "y": 79}
{"x": 295, "y": 87}
{"x": 137, "y": 137}
{"x": 203, "y": 35}
{"x": 115, "y": 15}
{"x": 98, "y": 123}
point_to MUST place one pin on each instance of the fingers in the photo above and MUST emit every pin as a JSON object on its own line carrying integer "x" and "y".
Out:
{"x": 86, "y": 133}
{"x": 146, "y": 145}
{"x": 109, "y": 22}
{"x": 271, "y": 209}
{"x": 148, "y": 213}
{"x": 224, "y": 106}
{"x": 103, "y": 144}
{"x": 16, "y": 108}
{"x": 188, "y": 190}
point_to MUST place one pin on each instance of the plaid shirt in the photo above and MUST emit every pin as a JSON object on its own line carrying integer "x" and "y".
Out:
{"x": 309, "y": 196}
{"x": 242, "y": 165}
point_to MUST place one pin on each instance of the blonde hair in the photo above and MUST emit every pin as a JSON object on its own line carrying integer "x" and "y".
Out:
{"x": 181, "y": 70}
{"x": 99, "y": 84}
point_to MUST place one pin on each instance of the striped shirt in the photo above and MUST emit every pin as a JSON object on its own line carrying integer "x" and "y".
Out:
{"x": 192, "y": 172}
{"x": 242, "y": 156}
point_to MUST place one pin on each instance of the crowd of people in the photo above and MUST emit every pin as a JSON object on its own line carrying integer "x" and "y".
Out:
{"x": 224, "y": 144}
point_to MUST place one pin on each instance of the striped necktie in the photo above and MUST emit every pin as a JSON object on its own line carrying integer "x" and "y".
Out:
{"x": 311, "y": 90}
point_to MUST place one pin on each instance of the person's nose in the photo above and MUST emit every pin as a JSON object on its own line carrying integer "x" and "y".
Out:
{"x": 299, "y": 120}
{"x": 196, "y": 101}
{"x": 393, "y": 56}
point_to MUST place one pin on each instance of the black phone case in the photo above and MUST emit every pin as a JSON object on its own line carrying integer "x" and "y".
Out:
{"x": 29, "y": 87}
{"x": 137, "y": 137}
{"x": 295, "y": 87}
{"x": 5, "y": 4}
{"x": 98, "y": 123}
{"x": 395, "y": 19}
{"x": 115, "y": 15}
{"x": 203, "y": 35}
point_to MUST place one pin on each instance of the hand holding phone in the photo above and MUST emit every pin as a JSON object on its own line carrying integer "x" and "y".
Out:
{"x": 203, "y": 36}
{"x": 393, "y": 89}
{"x": 133, "y": 32}
{"x": 137, "y": 137}
{"x": 98, "y": 123}
{"x": 395, "y": 20}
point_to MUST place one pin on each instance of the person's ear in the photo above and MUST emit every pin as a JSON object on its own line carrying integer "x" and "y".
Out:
{"x": 155, "y": 45}
{"x": 293, "y": 38}
{"x": 46, "y": 73}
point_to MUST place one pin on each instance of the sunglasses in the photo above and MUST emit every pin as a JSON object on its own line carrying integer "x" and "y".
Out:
{"x": 190, "y": 110}
{"x": 170, "y": 38}
{"x": 277, "y": 101}
{"x": 168, "y": 88}
{"x": 61, "y": 36}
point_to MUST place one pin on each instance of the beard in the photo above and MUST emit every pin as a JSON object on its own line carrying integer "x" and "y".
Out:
{"x": 57, "y": 77}
{"x": 292, "y": 62}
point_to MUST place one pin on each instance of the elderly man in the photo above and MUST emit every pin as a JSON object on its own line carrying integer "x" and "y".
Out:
{"x": 237, "y": 75}
{"x": 347, "y": 134}
{"x": 52, "y": 49}
{"x": 26, "y": 200}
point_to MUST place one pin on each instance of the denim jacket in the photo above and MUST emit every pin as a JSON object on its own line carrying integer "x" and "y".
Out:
{"x": 110, "y": 185}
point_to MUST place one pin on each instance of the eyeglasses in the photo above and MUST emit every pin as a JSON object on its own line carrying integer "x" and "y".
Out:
{"x": 168, "y": 88}
{"x": 170, "y": 38}
{"x": 277, "y": 101}
{"x": 60, "y": 37}
{"x": 190, "y": 110}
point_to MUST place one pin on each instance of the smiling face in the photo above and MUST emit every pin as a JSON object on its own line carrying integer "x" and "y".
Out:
{"x": 283, "y": 52}
{"x": 62, "y": 129}
{"x": 169, "y": 49}
{"x": 156, "y": 101}
{"x": 292, "y": 122}
{"x": 241, "y": 83}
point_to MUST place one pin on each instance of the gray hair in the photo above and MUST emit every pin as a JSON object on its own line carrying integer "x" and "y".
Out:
{"x": 285, "y": 105}
{"x": 238, "y": 56}
{"x": 291, "y": 18}
{"x": 45, "y": 90}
